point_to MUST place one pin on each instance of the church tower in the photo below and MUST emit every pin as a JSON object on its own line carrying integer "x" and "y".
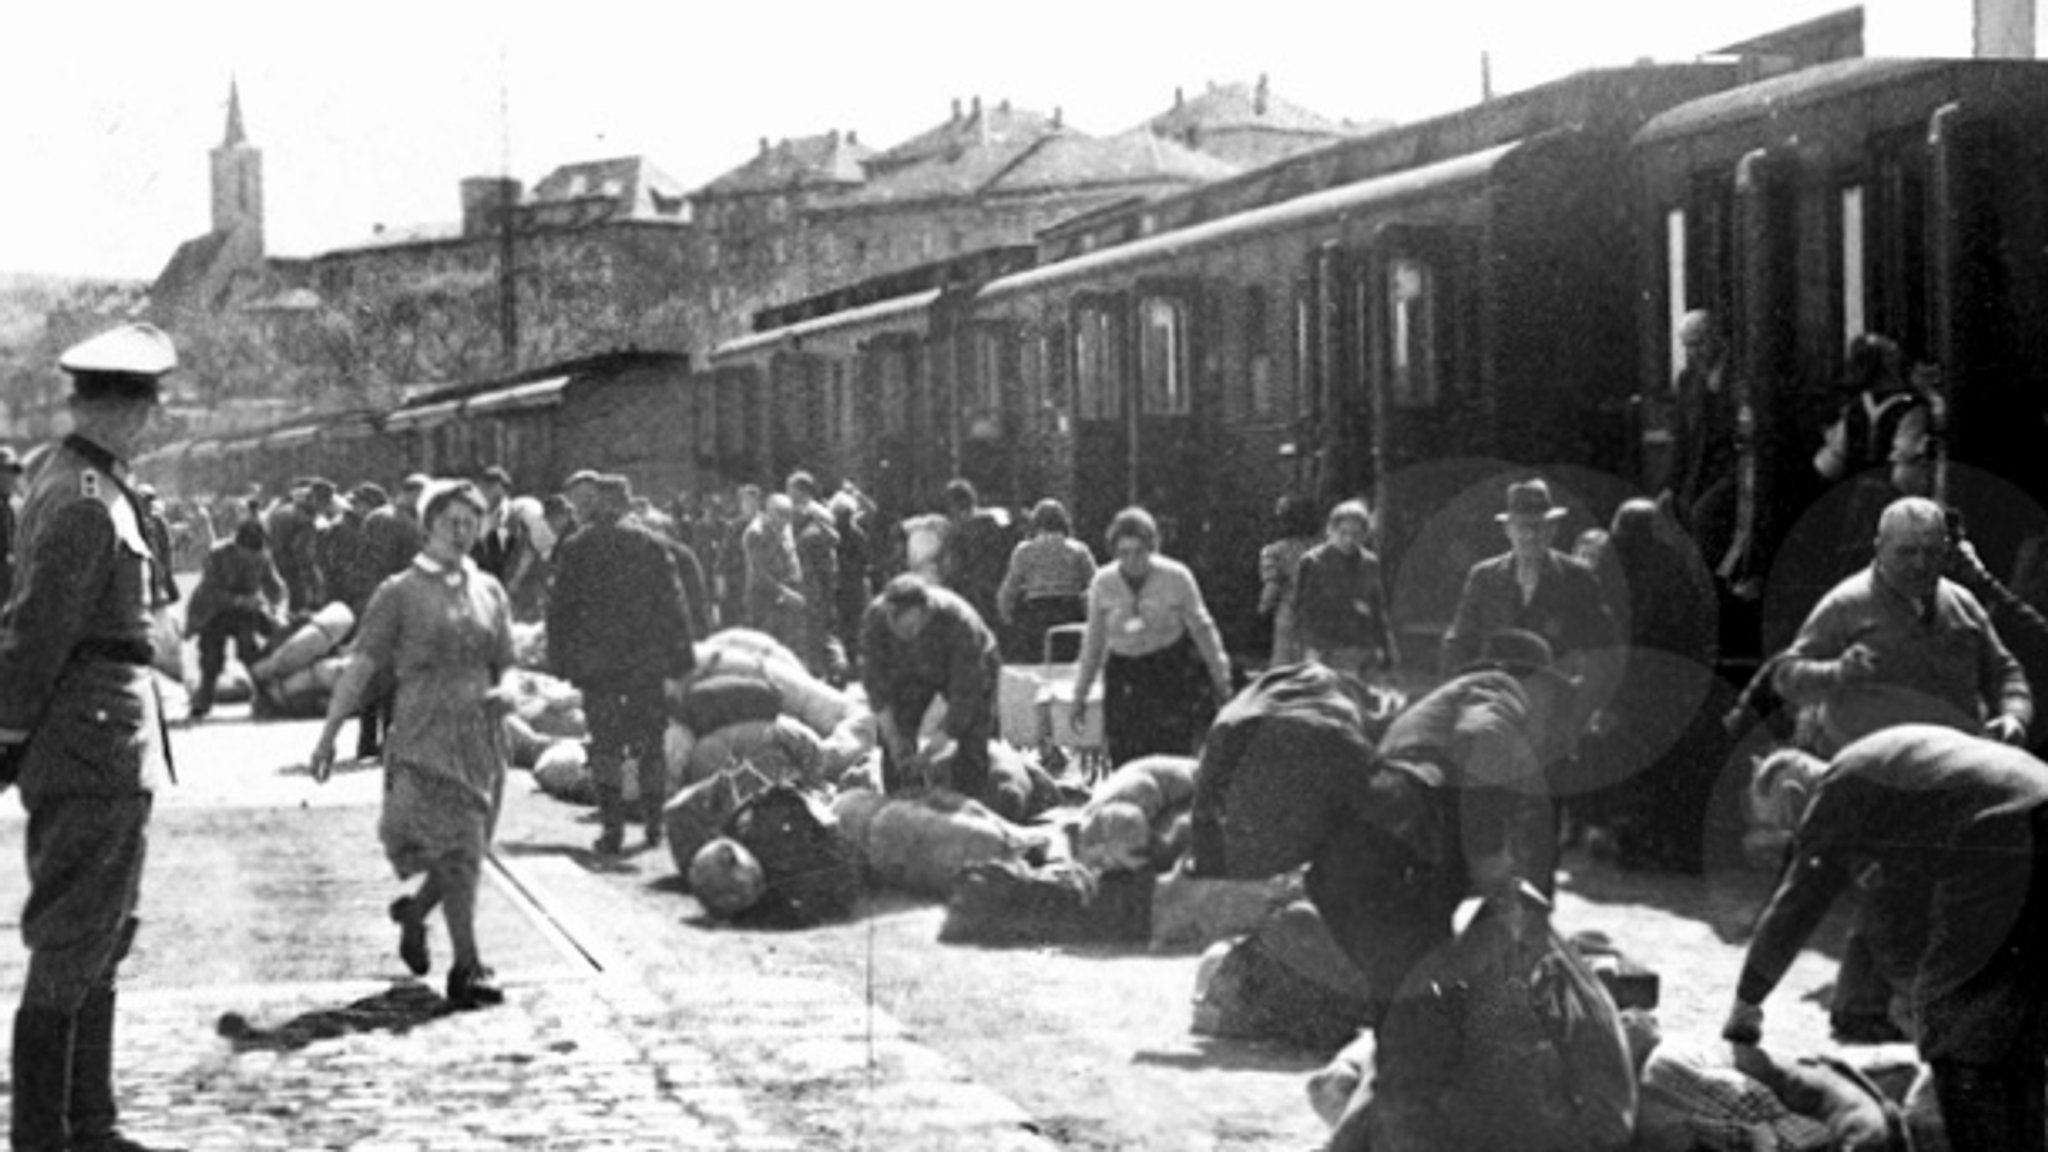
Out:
{"x": 238, "y": 178}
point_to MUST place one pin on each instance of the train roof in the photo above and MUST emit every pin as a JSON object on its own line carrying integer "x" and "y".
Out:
{"x": 1429, "y": 178}
{"x": 880, "y": 310}
{"x": 1843, "y": 81}
{"x": 600, "y": 364}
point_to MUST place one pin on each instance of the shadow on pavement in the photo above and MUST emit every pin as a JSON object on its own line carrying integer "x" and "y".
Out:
{"x": 1235, "y": 1056}
{"x": 397, "y": 1009}
{"x": 582, "y": 856}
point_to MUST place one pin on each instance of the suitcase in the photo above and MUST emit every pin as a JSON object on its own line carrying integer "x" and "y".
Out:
{"x": 1055, "y": 705}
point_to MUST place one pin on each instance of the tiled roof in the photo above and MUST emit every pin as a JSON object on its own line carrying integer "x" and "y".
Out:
{"x": 834, "y": 158}
{"x": 400, "y": 235}
{"x": 978, "y": 127}
{"x": 639, "y": 188}
{"x": 1239, "y": 107}
{"x": 188, "y": 268}
{"x": 1071, "y": 160}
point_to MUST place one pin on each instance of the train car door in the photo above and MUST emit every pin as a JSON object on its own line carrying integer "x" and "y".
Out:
{"x": 1424, "y": 436}
{"x": 1105, "y": 427}
{"x": 1165, "y": 468}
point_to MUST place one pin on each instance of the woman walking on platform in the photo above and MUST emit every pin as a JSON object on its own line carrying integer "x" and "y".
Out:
{"x": 444, "y": 629}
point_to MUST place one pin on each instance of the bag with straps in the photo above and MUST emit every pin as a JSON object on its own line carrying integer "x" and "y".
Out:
{"x": 811, "y": 871}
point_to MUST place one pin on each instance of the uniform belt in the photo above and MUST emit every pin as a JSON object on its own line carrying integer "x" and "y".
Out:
{"x": 137, "y": 652}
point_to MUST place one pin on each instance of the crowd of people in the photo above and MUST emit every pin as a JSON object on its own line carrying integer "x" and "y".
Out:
{"x": 1573, "y": 694}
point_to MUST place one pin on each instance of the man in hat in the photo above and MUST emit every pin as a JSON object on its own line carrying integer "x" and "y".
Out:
{"x": 1532, "y": 586}
{"x": 10, "y": 476}
{"x": 617, "y": 627}
{"x": 81, "y": 730}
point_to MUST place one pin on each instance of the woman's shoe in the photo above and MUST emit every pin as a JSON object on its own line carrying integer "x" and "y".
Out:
{"x": 472, "y": 988}
{"x": 412, "y": 936}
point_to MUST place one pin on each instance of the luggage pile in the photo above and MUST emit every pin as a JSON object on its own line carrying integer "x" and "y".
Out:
{"x": 298, "y": 673}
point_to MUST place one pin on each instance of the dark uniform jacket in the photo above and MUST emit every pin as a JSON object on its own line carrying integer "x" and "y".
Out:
{"x": 617, "y": 611}
{"x": 954, "y": 655}
{"x": 292, "y": 536}
{"x": 75, "y": 642}
{"x": 1567, "y": 610}
{"x": 234, "y": 577}
{"x": 1953, "y": 823}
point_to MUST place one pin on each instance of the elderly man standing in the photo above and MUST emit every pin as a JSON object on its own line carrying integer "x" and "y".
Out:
{"x": 1899, "y": 643}
{"x": 1957, "y": 828}
{"x": 617, "y": 627}
{"x": 919, "y": 642}
{"x": 81, "y": 728}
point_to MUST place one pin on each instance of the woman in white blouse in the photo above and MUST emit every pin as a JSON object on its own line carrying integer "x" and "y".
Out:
{"x": 1149, "y": 633}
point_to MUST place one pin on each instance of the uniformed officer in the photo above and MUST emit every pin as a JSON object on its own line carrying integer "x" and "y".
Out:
{"x": 617, "y": 626}
{"x": 81, "y": 731}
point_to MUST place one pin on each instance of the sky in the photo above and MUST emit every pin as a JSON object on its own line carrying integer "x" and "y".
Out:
{"x": 370, "y": 112}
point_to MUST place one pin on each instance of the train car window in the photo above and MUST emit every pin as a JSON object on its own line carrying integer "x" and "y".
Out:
{"x": 895, "y": 367}
{"x": 1304, "y": 358}
{"x": 1163, "y": 357}
{"x": 1897, "y": 227}
{"x": 1098, "y": 390}
{"x": 1855, "y": 289}
{"x": 1258, "y": 358}
{"x": 1411, "y": 332}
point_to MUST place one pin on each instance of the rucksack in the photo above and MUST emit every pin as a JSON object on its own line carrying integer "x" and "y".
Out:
{"x": 1013, "y": 902}
{"x": 810, "y": 869}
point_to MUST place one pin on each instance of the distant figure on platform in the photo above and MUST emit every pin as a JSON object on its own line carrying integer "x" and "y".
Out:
{"x": 617, "y": 628}
{"x": 775, "y": 587}
{"x": 1047, "y": 582}
{"x": 1341, "y": 598}
{"x": 977, "y": 548}
{"x": 240, "y": 597}
{"x": 922, "y": 642}
{"x": 1279, "y": 566}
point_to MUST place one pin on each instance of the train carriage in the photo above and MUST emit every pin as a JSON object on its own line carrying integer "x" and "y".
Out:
{"x": 1907, "y": 198}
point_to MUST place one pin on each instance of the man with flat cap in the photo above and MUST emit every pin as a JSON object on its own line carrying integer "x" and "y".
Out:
{"x": 10, "y": 477}
{"x": 617, "y": 628}
{"x": 81, "y": 731}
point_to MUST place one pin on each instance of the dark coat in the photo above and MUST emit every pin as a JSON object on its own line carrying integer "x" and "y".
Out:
{"x": 616, "y": 612}
{"x": 1567, "y": 610}
{"x": 234, "y": 577}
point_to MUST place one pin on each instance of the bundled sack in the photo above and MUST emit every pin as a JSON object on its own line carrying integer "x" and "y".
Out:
{"x": 808, "y": 868}
{"x": 1718, "y": 1096}
{"x": 1008, "y": 902}
{"x": 856, "y": 809}
{"x": 318, "y": 636}
{"x": 1189, "y": 912}
{"x": 692, "y": 817}
{"x": 1018, "y": 789}
{"x": 1285, "y": 763}
{"x": 1129, "y": 817}
{"x": 725, "y": 878}
{"x": 1243, "y": 991}
{"x": 708, "y": 703}
{"x": 563, "y": 771}
{"x": 1504, "y": 1039}
{"x": 744, "y": 652}
{"x": 550, "y": 706}
{"x": 782, "y": 749}
{"x": 917, "y": 844}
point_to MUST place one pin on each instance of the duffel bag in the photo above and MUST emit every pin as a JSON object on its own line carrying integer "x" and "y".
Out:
{"x": 810, "y": 871}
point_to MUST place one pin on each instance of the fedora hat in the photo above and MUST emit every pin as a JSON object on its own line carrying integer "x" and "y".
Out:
{"x": 1530, "y": 500}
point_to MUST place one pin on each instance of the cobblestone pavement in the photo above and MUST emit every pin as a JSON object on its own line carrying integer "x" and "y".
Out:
{"x": 240, "y": 1029}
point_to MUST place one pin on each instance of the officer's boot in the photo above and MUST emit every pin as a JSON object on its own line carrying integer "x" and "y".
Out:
{"x": 42, "y": 1080}
{"x": 93, "y": 1112}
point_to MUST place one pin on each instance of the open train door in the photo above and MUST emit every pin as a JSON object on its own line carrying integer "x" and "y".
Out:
{"x": 1989, "y": 404}
{"x": 1770, "y": 488}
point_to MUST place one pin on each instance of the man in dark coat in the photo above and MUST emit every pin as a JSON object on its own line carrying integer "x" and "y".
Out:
{"x": 920, "y": 642}
{"x": 348, "y": 570}
{"x": 293, "y": 527}
{"x": 1946, "y": 835}
{"x": 1532, "y": 587}
{"x": 977, "y": 549}
{"x": 81, "y": 728}
{"x": 617, "y": 627}
{"x": 238, "y": 598}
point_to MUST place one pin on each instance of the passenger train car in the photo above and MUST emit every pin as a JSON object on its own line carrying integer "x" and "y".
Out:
{"x": 1415, "y": 317}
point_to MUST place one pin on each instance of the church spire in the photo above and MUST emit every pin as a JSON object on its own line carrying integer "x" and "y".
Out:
{"x": 235, "y": 134}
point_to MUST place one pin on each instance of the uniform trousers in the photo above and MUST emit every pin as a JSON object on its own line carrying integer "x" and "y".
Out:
{"x": 628, "y": 719}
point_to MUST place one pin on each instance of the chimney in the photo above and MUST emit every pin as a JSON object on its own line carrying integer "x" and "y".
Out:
{"x": 1178, "y": 98}
{"x": 977, "y": 107}
{"x": 1059, "y": 116}
{"x": 832, "y": 138}
{"x": 487, "y": 200}
{"x": 1004, "y": 107}
{"x": 764, "y": 145}
{"x": 1259, "y": 96}
{"x": 852, "y": 138}
{"x": 956, "y": 111}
